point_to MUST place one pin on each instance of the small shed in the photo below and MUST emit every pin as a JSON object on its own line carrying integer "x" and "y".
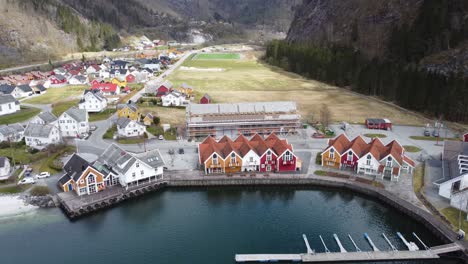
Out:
{"x": 130, "y": 78}
{"x": 465, "y": 137}
{"x": 378, "y": 123}
{"x": 206, "y": 99}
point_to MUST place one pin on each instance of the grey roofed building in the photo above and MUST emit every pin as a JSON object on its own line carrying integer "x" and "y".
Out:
{"x": 47, "y": 117}
{"x": 122, "y": 122}
{"x": 454, "y": 160}
{"x": 97, "y": 94}
{"x": 25, "y": 88}
{"x": 116, "y": 159}
{"x": 38, "y": 130}
{"x": 73, "y": 168}
{"x": 167, "y": 84}
{"x": 7, "y": 98}
{"x": 242, "y": 118}
{"x": 11, "y": 130}
{"x": 78, "y": 114}
{"x": 41, "y": 87}
{"x": 152, "y": 158}
{"x": 80, "y": 78}
{"x": 132, "y": 107}
{"x": 186, "y": 86}
{"x": 59, "y": 77}
{"x": 6, "y": 88}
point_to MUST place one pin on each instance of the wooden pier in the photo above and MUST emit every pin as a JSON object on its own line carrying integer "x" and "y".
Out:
{"x": 75, "y": 206}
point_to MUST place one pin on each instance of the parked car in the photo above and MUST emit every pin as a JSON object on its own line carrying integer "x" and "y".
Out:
{"x": 161, "y": 137}
{"x": 27, "y": 180}
{"x": 43, "y": 175}
{"x": 181, "y": 151}
{"x": 427, "y": 133}
{"x": 92, "y": 128}
{"x": 435, "y": 133}
{"x": 318, "y": 135}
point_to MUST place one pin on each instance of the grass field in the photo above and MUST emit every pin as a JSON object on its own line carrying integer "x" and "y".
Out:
{"x": 452, "y": 215}
{"x": 102, "y": 115}
{"x": 375, "y": 135}
{"x": 216, "y": 56}
{"x": 412, "y": 149}
{"x": 57, "y": 94}
{"x": 247, "y": 80}
{"x": 24, "y": 114}
{"x": 60, "y": 107}
{"x": 433, "y": 138}
{"x": 173, "y": 116}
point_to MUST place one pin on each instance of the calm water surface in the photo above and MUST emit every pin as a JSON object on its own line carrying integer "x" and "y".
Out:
{"x": 204, "y": 226}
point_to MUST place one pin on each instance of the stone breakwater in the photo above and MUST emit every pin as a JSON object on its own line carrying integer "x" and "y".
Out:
{"x": 39, "y": 201}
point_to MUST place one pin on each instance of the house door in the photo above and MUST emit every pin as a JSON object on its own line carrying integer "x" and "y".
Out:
{"x": 92, "y": 188}
{"x": 388, "y": 172}
{"x": 70, "y": 187}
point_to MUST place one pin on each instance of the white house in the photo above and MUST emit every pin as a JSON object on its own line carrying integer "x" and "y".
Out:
{"x": 173, "y": 99}
{"x": 368, "y": 164}
{"x": 78, "y": 80}
{"x": 12, "y": 133}
{"x": 44, "y": 118}
{"x": 5, "y": 168}
{"x": 40, "y": 136}
{"x": 104, "y": 73}
{"x": 133, "y": 169}
{"x": 93, "y": 101}
{"x": 73, "y": 122}
{"x": 23, "y": 91}
{"x": 8, "y": 104}
{"x": 251, "y": 161}
{"x": 129, "y": 128}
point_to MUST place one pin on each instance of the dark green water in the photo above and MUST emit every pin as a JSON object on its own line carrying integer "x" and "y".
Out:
{"x": 204, "y": 226}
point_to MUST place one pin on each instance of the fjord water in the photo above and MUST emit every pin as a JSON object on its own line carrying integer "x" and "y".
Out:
{"x": 205, "y": 226}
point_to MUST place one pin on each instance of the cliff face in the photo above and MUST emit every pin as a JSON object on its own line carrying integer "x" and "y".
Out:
{"x": 364, "y": 24}
{"x": 433, "y": 33}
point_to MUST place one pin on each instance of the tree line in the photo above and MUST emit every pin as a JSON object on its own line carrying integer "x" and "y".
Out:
{"x": 406, "y": 85}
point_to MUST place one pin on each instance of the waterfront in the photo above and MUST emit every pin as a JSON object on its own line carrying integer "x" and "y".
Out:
{"x": 205, "y": 226}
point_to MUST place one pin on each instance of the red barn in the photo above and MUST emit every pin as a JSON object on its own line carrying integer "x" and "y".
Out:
{"x": 206, "y": 99}
{"x": 130, "y": 78}
{"x": 465, "y": 137}
{"x": 162, "y": 90}
{"x": 378, "y": 123}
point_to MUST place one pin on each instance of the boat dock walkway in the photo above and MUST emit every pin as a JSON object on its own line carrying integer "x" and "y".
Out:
{"x": 332, "y": 257}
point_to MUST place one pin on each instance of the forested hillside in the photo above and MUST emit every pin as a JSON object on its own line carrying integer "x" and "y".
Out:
{"x": 398, "y": 70}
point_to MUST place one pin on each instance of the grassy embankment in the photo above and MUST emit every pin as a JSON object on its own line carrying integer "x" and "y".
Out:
{"x": 433, "y": 138}
{"x": 370, "y": 135}
{"x": 23, "y": 115}
{"x": 412, "y": 149}
{"x": 247, "y": 80}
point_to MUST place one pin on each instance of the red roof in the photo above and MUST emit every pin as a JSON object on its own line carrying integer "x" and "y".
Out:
{"x": 241, "y": 146}
{"x": 105, "y": 87}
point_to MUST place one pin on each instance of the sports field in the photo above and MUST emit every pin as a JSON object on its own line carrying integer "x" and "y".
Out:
{"x": 216, "y": 56}
{"x": 249, "y": 80}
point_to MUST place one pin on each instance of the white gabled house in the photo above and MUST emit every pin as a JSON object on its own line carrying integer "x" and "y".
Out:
{"x": 127, "y": 127}
{"x": 44, "y": 118}
{"x": 78, "y": 80}
{"x": 73, "y": 122}
{"x": 93, "y": 101}
{"x": 132, "y": 169}
{"x": 5, "y": 168}
{"x": 40, "y": 136}
{"x": 173, "y": 99}
{"x": 12, "y": 133}
{"x": 8, "y": 104}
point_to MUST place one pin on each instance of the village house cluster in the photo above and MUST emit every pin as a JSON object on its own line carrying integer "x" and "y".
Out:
{"x": 257, "y": 154}
{"x": 169, "y": 95}
{"x": 370, "y": 158}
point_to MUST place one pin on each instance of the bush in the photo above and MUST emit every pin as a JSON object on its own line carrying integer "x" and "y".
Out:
{"x": 318, "y": 158}
{"x": 55, "y": 164}
{"x": 33, "y": 150}
{"x": 145, "y": 135}
{"x": 40, "y": 191}
{"x": 156, "y": 120}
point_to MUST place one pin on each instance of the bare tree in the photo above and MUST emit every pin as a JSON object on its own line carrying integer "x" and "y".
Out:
{"x": 325, "y": 115}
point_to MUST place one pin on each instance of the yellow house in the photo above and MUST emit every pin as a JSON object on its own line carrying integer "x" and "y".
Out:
{"x": 121, "y": 84}
{"x": 185, "y": 89}
{"x": 129, "y": 111}
{"x": 148, "y": 119}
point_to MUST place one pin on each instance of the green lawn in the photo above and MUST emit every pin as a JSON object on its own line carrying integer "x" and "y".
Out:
{"x": 452, "y": 215}
{"x": 418, "y": 179}
{"x": 102, "y": 115}
{"x": 412, "y": 149}
{"x": 13, "y": 189}
{"x": 216, "y": 56}
{"x": 110, "y": 132}
{"x": 171, "y": 134}
{"x": 433, "y": 138}
{"x": 371, "y": 135}
{"x": 24, "y": 114}
{"x": 135, "y": 88}
{"x": 21, "y": 156}
{"x": 60, "y": 107}
{"x": 58, "y": 94}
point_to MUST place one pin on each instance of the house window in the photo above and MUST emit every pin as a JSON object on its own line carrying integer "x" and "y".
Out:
{"x": 137, "y": 165}
{"x": 1, "y": 108}
{"x": 142, "y": 172}
{"x": 268, "y": 167}
{"x": 350, "y": 156}
{"x": 368, "y": 160}
{"x": 269, "y": 155}
{"x": 251, "y": 159}
{"x": 9, "y": 106}
{"x": 133, "y": 175}
{"x": 332, "y": 153}
{"x": 389, "y": 162}
{"x": 215, "y": 159}
{"x": 83, "y": 190}
{"x": 288, "y": 156}
{"x": 91, "y": 179}
{"x": 92, "y": 188}
{"x": 233, "y": 158}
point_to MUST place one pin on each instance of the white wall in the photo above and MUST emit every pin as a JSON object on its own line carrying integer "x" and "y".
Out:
{"x": 70, "y": 128}
{"x": 136, "y": 171}
{"x": 8, "y": 108}
{"x": 40, "y": 143}
{"x": 92, "y": 104}
{"x": 364, "y": 168}
{"x": 250, "y": 166}
{"x": 5, "y": 170}
{"x": 133, "y": 129}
